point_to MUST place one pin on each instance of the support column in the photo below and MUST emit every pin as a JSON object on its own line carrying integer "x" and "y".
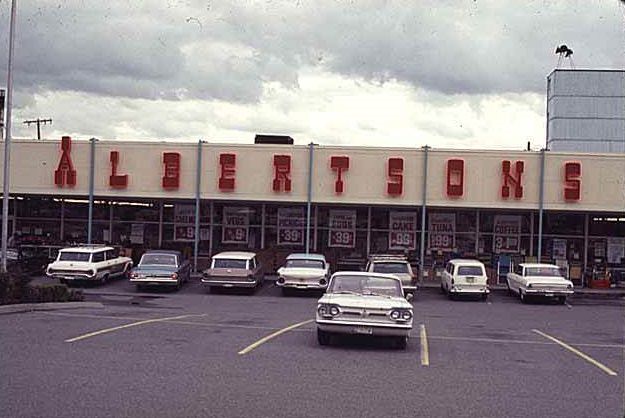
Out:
{"x": 423, "y": 208}
{"x": 541, "y": 196}
{"x": 15, "y": 213}
{"x": 91, "y": 180}
{"x": 531, "y": 234}
{"x": 263, "y": 213}
{"x": 198, "y": 180}
{"x": 210, "y": 229}
{"x": 368, "y": 231}
{"x": 309, "y": 198}
{"x": 160, "y": 223}
{"x": 62, "y": 226}
{"x": 477, "y": 233}
{"x": 586, "y": 230}
{"x": 111, "y": 214}
{"x": 315, "y": 228}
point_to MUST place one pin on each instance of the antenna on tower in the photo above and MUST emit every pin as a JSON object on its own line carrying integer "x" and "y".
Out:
{"x": 564, "y": 52}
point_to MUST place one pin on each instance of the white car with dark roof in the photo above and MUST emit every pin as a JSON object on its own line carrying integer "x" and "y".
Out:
{"x": 304, "y": 271}
{"x": 94, "y": 263}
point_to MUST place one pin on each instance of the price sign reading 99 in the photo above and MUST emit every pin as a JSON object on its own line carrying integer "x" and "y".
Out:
{"x": 235, "y": 226}
{"x": 402, "y": 234}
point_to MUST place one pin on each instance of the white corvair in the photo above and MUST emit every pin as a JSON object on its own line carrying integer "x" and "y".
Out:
{"x": 364, "y": 303}
{"x": 544, "y": 280}
{"x": 304, "y": 271}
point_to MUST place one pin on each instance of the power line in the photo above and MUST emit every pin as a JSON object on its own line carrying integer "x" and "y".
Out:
{"x": 38, "y": 122}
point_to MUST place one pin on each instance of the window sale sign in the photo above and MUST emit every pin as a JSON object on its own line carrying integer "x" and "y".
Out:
{"x": 236, "y": 224}
{"x": 184, "y": 222}
{"x": 342, "y": 232}
{"x": 291, "y": 225}
{"x": 506, "y": 234}
{"x": 402, "y": 233}
{"x": 442, "y": 231}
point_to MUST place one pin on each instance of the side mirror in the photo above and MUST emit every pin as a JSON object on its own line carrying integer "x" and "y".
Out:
{"x": 409, "y": 297}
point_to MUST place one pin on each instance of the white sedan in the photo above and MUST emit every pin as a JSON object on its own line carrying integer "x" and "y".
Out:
{"x": 544, "y": 280}
{"x": 304, "y": 271}
{"x": 364, "y": 303}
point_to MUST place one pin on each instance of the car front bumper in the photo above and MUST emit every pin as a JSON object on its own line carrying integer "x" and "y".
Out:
{"x": 300, "y": 284}
{"x": 364, "y": 328}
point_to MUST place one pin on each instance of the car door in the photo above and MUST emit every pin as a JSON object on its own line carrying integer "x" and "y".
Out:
{"x": 257, "y": 271}
{"x": 516, "y": 277}
{"x": 446, "y": 276}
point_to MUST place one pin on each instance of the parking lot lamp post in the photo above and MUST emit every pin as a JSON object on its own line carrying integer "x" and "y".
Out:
{"x": 541, "y": 197}
{"x": 198, "y": 180}
{"x": 91, "y": 189}
{"x": 7, "y": 141}
{"x": 309, "y": 197}
{"x": 423, "y": 209}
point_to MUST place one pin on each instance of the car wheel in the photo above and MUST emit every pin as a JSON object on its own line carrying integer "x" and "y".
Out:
{"x": 401, "y": 343}
{"x": 63, "y": 281}
{"x": 104, "y": 279}
{"x": 562, "y": 300}
{"x": 451, "y": 295}
{"x": 484, "y": 297}
{"x": 179, "y": 285}
{"x": 522, "y": 296}
{"x": 323, "y": 337}
{"x": 442, "y": 289}
{"x": 139, "y": 288}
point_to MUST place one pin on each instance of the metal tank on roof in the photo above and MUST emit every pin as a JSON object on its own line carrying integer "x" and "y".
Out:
{"x": 586, "y": 111}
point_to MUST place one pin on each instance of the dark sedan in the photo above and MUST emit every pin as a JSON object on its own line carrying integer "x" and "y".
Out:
{"x": 161, "y": 268}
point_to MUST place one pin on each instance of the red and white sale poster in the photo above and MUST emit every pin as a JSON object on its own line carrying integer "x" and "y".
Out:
{"x": 402, "y": 233}
{"x": 342, "y": 228}
{"x": 236, "y": 224}
{"x": 442, "y": 231}
{"x": 184, "y": 222}
{"x": 506, "y": 234}
{"x": 291, "y": 225}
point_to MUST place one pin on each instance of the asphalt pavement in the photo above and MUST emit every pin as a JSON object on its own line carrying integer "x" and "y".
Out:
{"x": 191, "y": 353}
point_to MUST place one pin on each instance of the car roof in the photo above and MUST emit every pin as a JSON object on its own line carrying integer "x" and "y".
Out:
{"x": 538, "y": 265}
{"x": 239, "y": 255}
{"x": 167, "y": 252}
{"x": 310, "y": 256}
{"x": 466, "y": 261}
{"x": 86, "y": 249}
{"x": 366, "y": 274}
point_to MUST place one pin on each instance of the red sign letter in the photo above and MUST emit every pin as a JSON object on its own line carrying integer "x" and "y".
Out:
{"x": 455, "y": 178}
{"x": 117, "y": 181}
{"x": 171, "y": 170}
{"x": 572, "y": 180}
{"x": 65, "y": 173}
{"x": 226, "y": 179}
{"x": 282, "y": 173}
{"x": 508, "y": 179}
{"x": 339, "y": 164}
{"x": 395, "y": 184}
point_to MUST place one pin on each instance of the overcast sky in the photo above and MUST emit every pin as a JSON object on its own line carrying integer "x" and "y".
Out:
{"x": 462, "y": 73}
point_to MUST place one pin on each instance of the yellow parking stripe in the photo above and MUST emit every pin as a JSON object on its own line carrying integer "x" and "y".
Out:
{"x": 577, "y": 352}
{"x": 270, "y": 336}
{"x": 133, "y": 324}
{"x": 425, "y": 352}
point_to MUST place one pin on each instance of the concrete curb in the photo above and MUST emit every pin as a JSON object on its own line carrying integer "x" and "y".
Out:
{"x": 49, "y": 306}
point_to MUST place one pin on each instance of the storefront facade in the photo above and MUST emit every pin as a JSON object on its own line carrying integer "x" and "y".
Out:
{"x": 346, "y": 202}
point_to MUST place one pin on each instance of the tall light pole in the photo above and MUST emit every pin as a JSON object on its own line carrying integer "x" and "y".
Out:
{"x": 7, "y": 142}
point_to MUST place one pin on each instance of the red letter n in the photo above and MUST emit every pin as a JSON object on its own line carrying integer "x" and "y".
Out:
{"x": 117, "y": 181}
{"x": 226, "y": 178}
{"x": 65, "y": 175}
{"x": 282, "y": 173}
{"x": 171, "y": 170}
{"x": 395, "y": 184}
{"x": 339, "y": 164}
{"x": 509, "y": 179}
{"x": 572, "y": 180}
{"x": 455, "y": 178}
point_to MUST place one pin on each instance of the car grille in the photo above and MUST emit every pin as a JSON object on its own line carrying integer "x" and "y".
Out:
{"x": 365, "y": 315}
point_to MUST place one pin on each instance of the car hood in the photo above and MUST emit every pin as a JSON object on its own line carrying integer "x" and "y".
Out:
{"x": 548, "y": 280}
{"x": 155, "y": 269}
{"x": 369, "y": 302}
{"x": 301, "y": 272}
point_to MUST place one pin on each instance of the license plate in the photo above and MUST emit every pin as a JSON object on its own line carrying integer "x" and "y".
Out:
{"x": 68, "y": 277}
{"x": 228, "y": 285}
{"x": 363, "y": 330}
{"x": 470, "y": 279}
{"x": 548, "y": 294}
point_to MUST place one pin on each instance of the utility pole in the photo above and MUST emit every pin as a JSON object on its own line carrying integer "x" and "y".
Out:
{"x": 38, "y": 122}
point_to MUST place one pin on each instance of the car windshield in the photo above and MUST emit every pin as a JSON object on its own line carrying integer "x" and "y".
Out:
{"x": 74, "y": 256}
{"x": 396, "y": 267}
{"x": 365, "y": 285}
{"x": 158, "y": 259}
{"x": 304, "y": 263}
{"x": 225, "y": 263}
{"x": 543, "y": 271}
{"x": 470, "y": 271}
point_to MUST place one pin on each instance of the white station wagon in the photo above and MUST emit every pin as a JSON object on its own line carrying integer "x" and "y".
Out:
{"x": 95, "y": 263}
{"x": 304, "y": 271}
{"x": 544, "y": 280}
{"x": 465, "y": 277}
{"x": 367, "y": 304}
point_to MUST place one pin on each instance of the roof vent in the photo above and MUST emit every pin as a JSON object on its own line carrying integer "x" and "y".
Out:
{"x": 273, "y": 139}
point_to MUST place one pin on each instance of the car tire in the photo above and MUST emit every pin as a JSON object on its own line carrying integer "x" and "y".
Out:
{"x": 522, "y": 296}
{"x": 562, "y": 300}
{"x": 442, "y": 289}
{"x": 63, "y": 281}
{"x": 451, "y": 295}
{"x": 401, "y": 343}
{"x": 510, "y": 292}
{"x": 104, "y": 279}
{"x": 484, "y": 297}
{"x": 323, "y": 337}
{"x": 139, "y": 288}
{"x": 286, "y": 291}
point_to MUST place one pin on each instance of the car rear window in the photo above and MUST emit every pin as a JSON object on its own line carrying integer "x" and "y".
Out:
{"x": 543, "y": 271}
{"x": 313, "y": 264}
{"x": 390, "y": 267}
{"x": 225, "y": 263}
{"x": 470, "y": 271}
{"x": 74, "y": 256}
{"x": 158, "y": 259}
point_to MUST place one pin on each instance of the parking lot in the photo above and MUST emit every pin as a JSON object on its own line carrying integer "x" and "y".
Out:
{"x": 229, "y": 354}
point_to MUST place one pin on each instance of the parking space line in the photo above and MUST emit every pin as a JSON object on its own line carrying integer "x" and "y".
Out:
{"x": 509, "y": 341}
{"x": 133, "y": 324}
{"x": 425, "y": 351}
{"x": 273, "y": 335}
{"x": 577, "y": 352}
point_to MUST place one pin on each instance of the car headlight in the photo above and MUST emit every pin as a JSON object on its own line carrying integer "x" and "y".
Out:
{"x": 395, "y": 314}
{"x": 529, "y": 285}
{"x": 406, "y": 315}
{"x": 334, "y": 310}
{"x": 328, "y": 311}
{"x": 569, "y": 286}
